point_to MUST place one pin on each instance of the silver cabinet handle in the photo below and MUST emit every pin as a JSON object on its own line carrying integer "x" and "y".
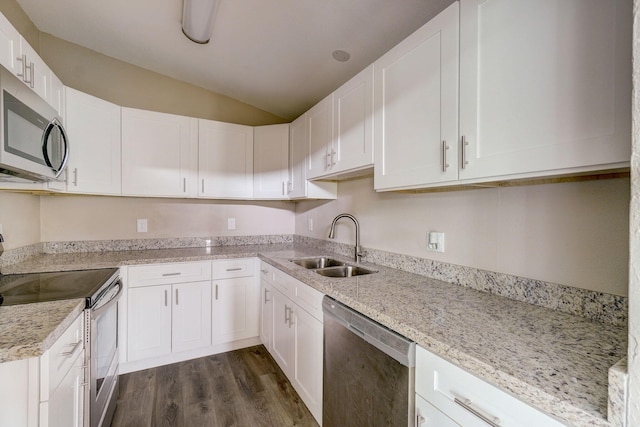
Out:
{"x": 465, "y": 162}
{"x": 23, "y": 74}
{"x": 333, "y": 161}
{"x": 266, "y": 299}
{"x": 166, "y": 298}
{"x": 284, "y": 191}
{"x": 445, "y": 147}
{"x": 216, "y": 291}
{"x": 75, "y": 177}
{"x": 489, "y": 419}
{"x": 31, "y": 80}
{"x": 234, "y": 269}
{"x": 291, "y": 314}
{"x": 177, "y": 297}
{"x": 264, "y": 271}
{"x": 184, "y": 185}
{"x": 287, "y": 313}
{"x": 73, "y": 350}
{"x": 289, "y": 187}
{"x": 203, "y": 185}
{"x": 170, "y": 274}
{"x": 420, "y": 420}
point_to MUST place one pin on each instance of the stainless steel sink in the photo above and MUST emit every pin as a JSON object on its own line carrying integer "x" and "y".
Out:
{"x": 344, "y": 271}
{"x": 319, "y": 262}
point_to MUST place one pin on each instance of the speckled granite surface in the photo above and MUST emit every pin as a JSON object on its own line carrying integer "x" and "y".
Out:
{"x": 29, "y": 330}
{"x": 552, "y": 360}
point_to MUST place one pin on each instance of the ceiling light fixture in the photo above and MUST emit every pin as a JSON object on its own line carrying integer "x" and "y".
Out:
{"x": 197, "y": 19}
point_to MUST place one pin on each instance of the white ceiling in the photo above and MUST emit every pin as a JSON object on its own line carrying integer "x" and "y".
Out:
{"x": 272, "y": 54}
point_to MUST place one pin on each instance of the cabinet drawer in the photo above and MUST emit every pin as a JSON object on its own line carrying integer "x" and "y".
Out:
{"x": 165, "y": 274}
{"x": 226, "y": 269}
{"x": 58, "y": 360}
{"x": 308, "y": 299}
{"x": 443, "y": 385}
{"x": 284, "y": 283}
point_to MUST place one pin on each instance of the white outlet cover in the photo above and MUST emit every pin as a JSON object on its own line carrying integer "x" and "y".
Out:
{"x": 435, "y": 241}
{"x": 231, "y": 223}
{"x": 141, "y": 225}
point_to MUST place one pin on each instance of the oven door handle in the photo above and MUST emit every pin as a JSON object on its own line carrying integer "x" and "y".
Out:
{"x": 98, "y": 312}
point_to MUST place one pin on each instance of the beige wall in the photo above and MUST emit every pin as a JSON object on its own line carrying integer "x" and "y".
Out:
{"x": 70, "y": 218}
{"x": 127, "y": 85}
{"x": 20, "y": 219}
{"x": 574, "y": 234}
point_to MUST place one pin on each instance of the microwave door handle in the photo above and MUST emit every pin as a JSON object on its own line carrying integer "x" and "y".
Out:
{"x": 45, "y": 145}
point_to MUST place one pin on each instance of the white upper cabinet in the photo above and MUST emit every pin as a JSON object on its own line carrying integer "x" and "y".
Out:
{"x": 93, "y": 127}
{"x": 416, "y": 107}
{"x": 352, "y": 145}
{"x": 298, "y": 186}
{"x": 225, "y": 160}
{"x": 270, "y": 161}
{"x": 545, "y": 86}
{"x": 35, "y": 73}
{"x": 319, "y": 137}
{"x": 9, "y": 46}
{"x": 159, "y": 154}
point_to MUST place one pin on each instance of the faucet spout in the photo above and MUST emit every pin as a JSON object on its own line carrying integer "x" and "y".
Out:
{"x": 332, "y": 232}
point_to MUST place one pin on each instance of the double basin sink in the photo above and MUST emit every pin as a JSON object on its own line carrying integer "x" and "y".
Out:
{"x": 330, "y": 267}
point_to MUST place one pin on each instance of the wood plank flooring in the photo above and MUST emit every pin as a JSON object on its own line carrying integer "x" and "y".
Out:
{"x": 239, "y": 388}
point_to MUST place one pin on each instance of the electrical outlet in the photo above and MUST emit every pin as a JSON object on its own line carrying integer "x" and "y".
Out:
{"x": 231, "y": 223}
{"x": 435, "y": 241}
{"x": 310, "y": 224}
{"x": 141, "y": 225}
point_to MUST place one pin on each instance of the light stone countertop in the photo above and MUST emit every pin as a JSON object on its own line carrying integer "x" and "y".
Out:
{"x": 551, "y": 360}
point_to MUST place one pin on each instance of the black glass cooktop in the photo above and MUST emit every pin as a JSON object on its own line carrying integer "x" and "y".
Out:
{"x": 39, "y": 287}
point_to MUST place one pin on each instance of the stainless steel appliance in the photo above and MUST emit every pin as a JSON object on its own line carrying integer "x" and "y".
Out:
{"x": 368, "y": 371}
{"x": 101, "y": 290}
{"x": 34, "y": 143}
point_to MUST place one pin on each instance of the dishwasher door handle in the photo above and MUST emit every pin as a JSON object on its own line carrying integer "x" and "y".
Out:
{"x": 356, "y": 331}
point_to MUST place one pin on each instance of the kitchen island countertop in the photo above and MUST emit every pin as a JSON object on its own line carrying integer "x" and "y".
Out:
{"x": 554, "y": 361}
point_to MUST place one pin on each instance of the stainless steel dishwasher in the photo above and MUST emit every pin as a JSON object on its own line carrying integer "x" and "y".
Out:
{"x": 368, "y": 376}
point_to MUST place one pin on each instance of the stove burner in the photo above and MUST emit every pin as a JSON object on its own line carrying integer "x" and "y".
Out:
{"x": 39, "y": 287}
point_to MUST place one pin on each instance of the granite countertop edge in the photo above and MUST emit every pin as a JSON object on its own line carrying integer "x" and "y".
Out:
{"x": 278, "y": 255}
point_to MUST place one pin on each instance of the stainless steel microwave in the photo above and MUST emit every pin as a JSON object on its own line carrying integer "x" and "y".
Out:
{"x": 34, "y": 145}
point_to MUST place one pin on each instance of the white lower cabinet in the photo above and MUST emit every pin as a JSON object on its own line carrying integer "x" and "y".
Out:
{"x": 168, "y": 309}
{"x": 168, "y": 318}
{"x": 291, "y": 329}
{"x": 46, "y": 391}
{"x": 460, "y": 398}
{"x": 235, "y": 300}
{"x": 180, "y": 311}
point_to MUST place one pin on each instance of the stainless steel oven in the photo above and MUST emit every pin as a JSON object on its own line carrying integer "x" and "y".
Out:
{"x": 101, "y": 344}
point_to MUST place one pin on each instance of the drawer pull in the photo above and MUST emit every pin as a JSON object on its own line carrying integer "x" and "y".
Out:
{"x": 420, "y": 420}
{"x": 266, "y": 297}
{"x": 489, "y": 419}
{"x": 234, "y": 269}
{"x": 73, "y": 350}
{"x": 170, "y": 274}
{"x": 264, "y": 271}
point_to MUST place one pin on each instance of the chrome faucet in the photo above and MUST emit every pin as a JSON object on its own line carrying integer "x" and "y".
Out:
{"x": 358, "y": 252}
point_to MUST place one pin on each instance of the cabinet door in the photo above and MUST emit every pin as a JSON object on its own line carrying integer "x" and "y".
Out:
{"x": 159, "y": 153}
{"x": 544, "y": 85}
{"x": 38, "y": 73}
{"x": 307, "y": 377}
{"x": 320, "y": 134}
{"x": 282, "y": 333}
{"x": 56, "y": 97}
{"x": 298, "y": 158}
{"x": 225, "y": 160}
{"x": 235, "y": 309}
{"x": 266, "y": 315}
{"x": 93, "y": 127}
{"x": 353, "y": 122}
{"x": 416, "y": 107}
{"x": 149, "y": 317}
{"x": 428, "y": 416}
{"x": 270, "y": 161}
{"x": 191, "y": 316}
{"x": 65, "y": 407}
{"x": 9, "y": 46}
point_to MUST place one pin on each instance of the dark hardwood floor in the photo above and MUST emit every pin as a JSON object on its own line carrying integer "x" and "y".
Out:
{"x": 240, "y": 388}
